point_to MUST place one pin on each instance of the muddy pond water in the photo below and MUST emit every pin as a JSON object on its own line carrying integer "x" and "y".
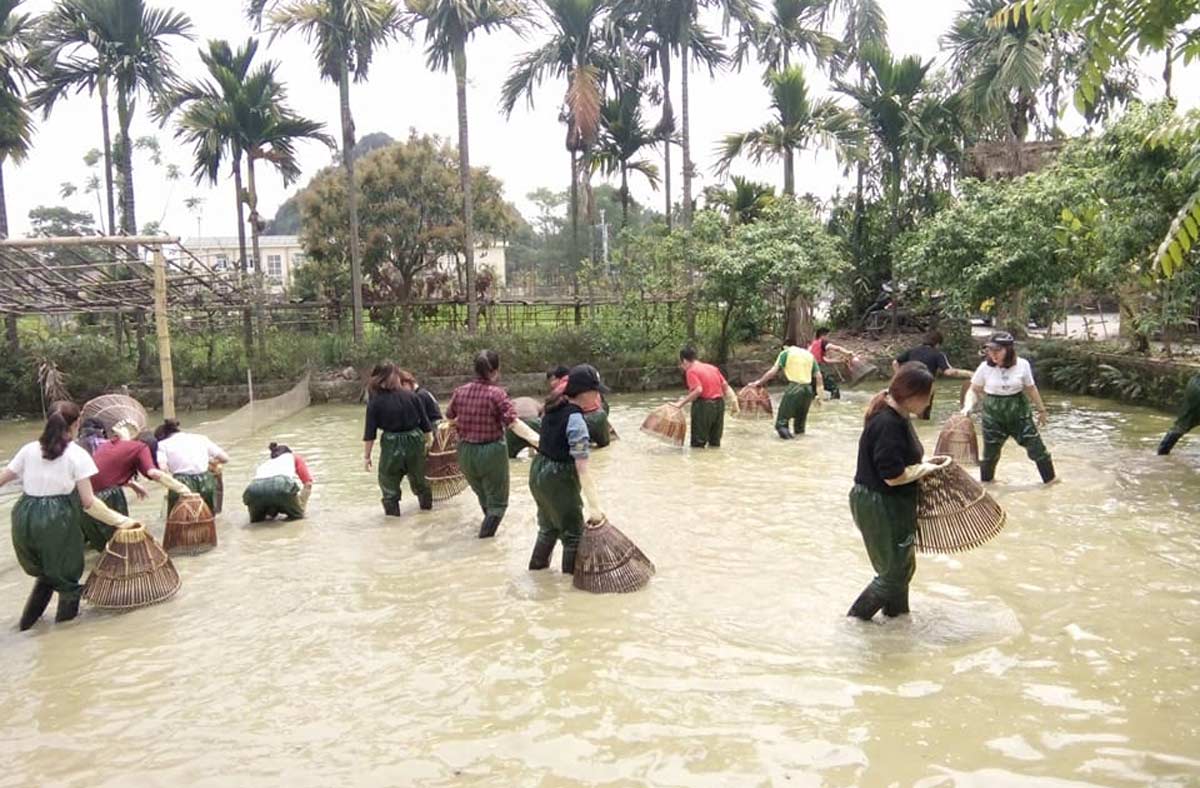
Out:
{"x": 350, "y": 649}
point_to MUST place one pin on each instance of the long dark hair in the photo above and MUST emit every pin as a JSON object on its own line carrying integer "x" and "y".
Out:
{"x": 91, "y": 434}
{"x": 151, "y": 443}
{"x": 910, "y": 381}
{"x": 166, "y": 429}
{"x": 486, "y": 362}
{"x": 1010, "y": 358}
{"x": 278, "y": 450}
{"x": 383, "y": 378}
{"x": 56, "y": 436}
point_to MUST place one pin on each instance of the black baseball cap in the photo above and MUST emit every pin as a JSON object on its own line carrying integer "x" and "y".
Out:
{"x": 583, "y": 378}
{"x": 1001, "y": 339}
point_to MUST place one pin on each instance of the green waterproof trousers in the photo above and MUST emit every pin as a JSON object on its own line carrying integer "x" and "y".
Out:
{"x": 598, "y": 432}
{"x": 266, "y": 498}
{"x": 555, "y": 488}
{"x": 888, "y": 523}
{"x": 48, "y": 540}
{"x": 516, "y": 443}
{"x": 1189, "y": 416}
{"x": 203, "y": 483}
{"x": 402, "y": 454}
{"x": 485, "y": 466}
{"x": 1009, "y": 417}
{"x": 708, "y": 422}
{"x": 95, "y": 532}
{"x": 793, "y": 408}
{"x": 830, "y": 382}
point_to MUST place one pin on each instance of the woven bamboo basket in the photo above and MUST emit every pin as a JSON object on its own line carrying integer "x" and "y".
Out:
{"x": 608, "y": 562}
{"x": 112, "y": 408}
{"x": 441, "y": 466}
{"x": 666, "y": 423}
{"x": 958, "y": 440}
{"x": 527, "y": 408}
{"x": 954, "y": 513}
{"x": 755, "y": 403}
{"x": 857, "y": 369}
{"x": 133, "y": 572}
{"x": 191, "y": 529}
{"x": 214, "y": 468}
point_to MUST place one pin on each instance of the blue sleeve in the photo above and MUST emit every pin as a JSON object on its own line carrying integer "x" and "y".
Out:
{"x": 577, "y": 436}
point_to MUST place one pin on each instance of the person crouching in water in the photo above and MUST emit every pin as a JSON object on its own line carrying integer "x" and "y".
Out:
{"x": 708, "y": 392}
{"x": 559, "y": 472}
{"x": 407, "y": 434}
{"x": 119, "y": 460}
{"x": 1006, "y": 384}
{"x": 281, "y": 485}
{"x": 883, "y": 501}
{"x": 186, "y": 456}
{"x": 482, "y": 412}
{"x": 55, "y": 475}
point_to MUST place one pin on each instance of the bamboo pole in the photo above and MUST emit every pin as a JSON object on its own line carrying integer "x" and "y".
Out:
{"x": 163, "y": 329}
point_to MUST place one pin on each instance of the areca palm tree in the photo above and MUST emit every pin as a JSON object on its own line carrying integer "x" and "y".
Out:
{"x": 110, "y": 43}
{"x": 16, "y": 124}
{"x": 799, "y": 121}
{"x": 623, "y": 136}
{"x": 345, "y": 35}
{"x": 577, "y": 52}
{"x": 449, "y": 24}
{"x": 793, "y": 26}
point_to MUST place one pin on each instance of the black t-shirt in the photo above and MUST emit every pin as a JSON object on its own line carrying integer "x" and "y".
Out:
{"x": 934, "y": 359}
{"x": 887, "y": 446}
{"x": 395, "y": 411}
{"x": 430, "y": 404}
{"x": 553, "y": 441}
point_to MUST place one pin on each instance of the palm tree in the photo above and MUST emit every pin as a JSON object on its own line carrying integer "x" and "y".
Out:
{"x": 623, "y": 136}
{"x": 449, "y": 24}
{"x": 793, "y": 26}
{"x": 16, "y": 124}
{"x": 745, "y": 202}
{"x": 345, "y": 35}
{"x": 577, "y": 52}
{"x": 798, "y": 122}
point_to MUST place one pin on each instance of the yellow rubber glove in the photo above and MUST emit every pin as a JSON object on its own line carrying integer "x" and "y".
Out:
{"x": 172, "y": 484}
{"x": 428, "y": 441}
{"x": 100, "y": 511}
{"x": 304, "y": 495}
{"x": 526, "y": 433}
{"x": 592, "y": 511}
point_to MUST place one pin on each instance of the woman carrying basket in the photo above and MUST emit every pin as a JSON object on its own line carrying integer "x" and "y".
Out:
{"x": 559, "y": 472}
{"x": 1006, "y": 384}
{"x": 55, "y": 475}
{"x": 883, "y": 501}
{"x": 186, "y": 456}
{"x": 482, "y": 412}
{"x": 407, "y": 433}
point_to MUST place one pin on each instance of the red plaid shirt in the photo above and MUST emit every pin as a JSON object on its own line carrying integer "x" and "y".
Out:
{"x": 482, "y": 411}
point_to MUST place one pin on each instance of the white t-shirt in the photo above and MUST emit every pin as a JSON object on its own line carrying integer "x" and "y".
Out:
{"x": 41, "y": 477}
{"x": 186, "y": 452}
{"x": 283, "y": 465}
{"x": 1004, "y": 381}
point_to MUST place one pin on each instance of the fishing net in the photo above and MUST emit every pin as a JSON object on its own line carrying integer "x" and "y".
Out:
{"x": 258, "y": 414}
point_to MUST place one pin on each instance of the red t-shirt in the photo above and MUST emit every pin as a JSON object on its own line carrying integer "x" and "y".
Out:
{"x": 302, "y": 470}
{"x": 817, "y": 348}
{"x": 119, "y": 461}
{"x": 708, "y": 378}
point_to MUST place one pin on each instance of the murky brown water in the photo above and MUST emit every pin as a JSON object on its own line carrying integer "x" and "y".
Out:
{"x": 352, "y": 650}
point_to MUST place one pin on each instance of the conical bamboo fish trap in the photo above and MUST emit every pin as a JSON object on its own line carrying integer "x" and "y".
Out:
{"x": 954, "y": 513}
{"x": 755, "y": 403}
{"x": 527, "y": 408}
{"x": 857, "y": 369}
{"x": 112, "y": 408}
{"x": 191, "y": 528}
{"x": 441, "y": 465}
{"x": 958, "y": 440}
{"x": 608, "y": 562}
{"x": 666, "y": 423}
{"x": 214, "y": 468}
{"x": 133, "y": 572}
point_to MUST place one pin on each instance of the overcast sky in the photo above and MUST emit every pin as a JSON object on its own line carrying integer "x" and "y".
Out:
{"x": 525, "y": 151}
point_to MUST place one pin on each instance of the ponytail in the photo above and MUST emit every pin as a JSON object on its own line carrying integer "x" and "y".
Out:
{"x": 913, "y": 379}
{"x": 486, "y": 362}
{"x": 166, "y": 429}
{"x": 278, "y": 450}
{"x": 57, "y": 434}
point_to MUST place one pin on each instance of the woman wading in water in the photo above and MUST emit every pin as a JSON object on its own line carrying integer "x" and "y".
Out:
{"x": 186, "y": 456}
{"x": 482, "y": 411}
{"x": 47, "y": 535}
{"x": 883, "y": 501}
{"x": 407, "y": 433}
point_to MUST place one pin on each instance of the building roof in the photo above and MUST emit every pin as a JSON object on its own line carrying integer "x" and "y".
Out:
{"x": 231, "y": 242}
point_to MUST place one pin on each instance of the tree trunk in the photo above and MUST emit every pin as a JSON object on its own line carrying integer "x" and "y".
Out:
{"x": 351, "y": 197}
{"x": 1012, "y": 314}
{"x": 464, "y": 177}
{"x": 689, "y": 305}
{"x": 624, "y": 196}
{"x": 108, "y": 156}
{"x": 799, "y": 330}
{"x": 125, "y": 165}
{"x": 789, "y": 173}
{"x": 247, "y": 320}
{"x": 574, "y": 209}
{"x": 260, "y": 321}
{"x": 668, "y": 128}
{"x": 1168, "y": 69}
{"x": 10, "y": 319}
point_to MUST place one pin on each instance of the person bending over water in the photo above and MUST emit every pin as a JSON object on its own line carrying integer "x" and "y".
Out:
{"x": 820, "y": 347}
{"x": 186, "y": 456}
{"x": 883, "y": 500}
{"x": 281, "y": 485}
{"x": 804, "y": 381}
{"x": 407, "y": 434}
{"x": 1006, "y": 384}
{"x": 55, "y": 475}
{"x": 1189, "y": 417}
{"x": 707, "y": 393}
